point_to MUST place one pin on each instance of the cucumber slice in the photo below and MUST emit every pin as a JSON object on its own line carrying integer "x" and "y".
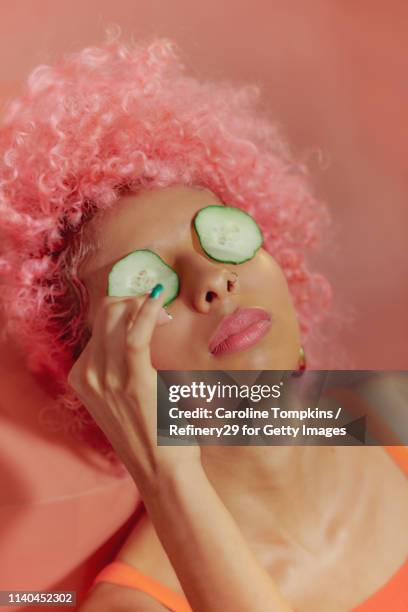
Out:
{"x": 138, "y": 272}
{"x": 228, "y": 234}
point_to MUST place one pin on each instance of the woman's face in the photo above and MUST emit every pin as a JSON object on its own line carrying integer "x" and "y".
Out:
{"x": 162, "y": 220}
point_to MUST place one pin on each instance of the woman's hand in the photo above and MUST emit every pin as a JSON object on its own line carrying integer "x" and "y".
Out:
{"x": 116, "y": 381}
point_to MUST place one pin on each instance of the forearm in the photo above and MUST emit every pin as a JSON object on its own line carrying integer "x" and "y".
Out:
{"x": 213, "y": 561}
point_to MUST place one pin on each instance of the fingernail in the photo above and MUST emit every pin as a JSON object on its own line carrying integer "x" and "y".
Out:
{"x": 164, "y": 316}
{"x": 156, "y": 291}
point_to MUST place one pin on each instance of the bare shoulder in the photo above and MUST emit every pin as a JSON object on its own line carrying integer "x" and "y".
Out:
{"x": 142, "y": 550}
{"x": 105, "y": 597}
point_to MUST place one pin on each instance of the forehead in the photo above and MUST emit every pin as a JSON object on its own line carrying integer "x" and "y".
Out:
{"x": 157, "y": 218}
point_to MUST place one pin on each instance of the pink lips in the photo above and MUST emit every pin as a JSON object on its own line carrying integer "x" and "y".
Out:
{"x": 239, "y": 330}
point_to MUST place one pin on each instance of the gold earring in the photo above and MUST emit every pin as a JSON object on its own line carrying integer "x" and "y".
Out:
{"x": 301, "y": 362}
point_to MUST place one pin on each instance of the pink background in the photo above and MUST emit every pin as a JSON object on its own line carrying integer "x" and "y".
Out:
{"x": 335, "y": 75}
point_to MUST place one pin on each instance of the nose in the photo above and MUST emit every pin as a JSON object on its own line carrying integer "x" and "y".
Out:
{"x": 202, "y": 282}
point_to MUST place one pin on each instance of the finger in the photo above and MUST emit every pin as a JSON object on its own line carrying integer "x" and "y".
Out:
{"x": 114, "y": 337}
{"x": 95, "y": 364}
{"x": 117, "y": 322}
{"x": 139, "y": 335}
{"x": 162, "y": 318}
{"x": 115, "y": 333}
{"x": 74, "y": 378}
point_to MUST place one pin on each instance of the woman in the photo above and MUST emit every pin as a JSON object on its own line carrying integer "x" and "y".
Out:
{"x": 112, "y": 151}
{"x": 227, "y": 513}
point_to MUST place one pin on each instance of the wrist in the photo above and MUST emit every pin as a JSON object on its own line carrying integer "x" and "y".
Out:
{"x": 170, "y": 480}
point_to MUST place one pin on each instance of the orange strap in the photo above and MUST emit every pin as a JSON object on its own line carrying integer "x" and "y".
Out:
{"x": 400, "y": 455}
{"x": 127, "y": 575}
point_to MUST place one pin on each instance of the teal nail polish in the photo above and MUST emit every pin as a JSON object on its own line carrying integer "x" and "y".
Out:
{"x": 156, "y": 291}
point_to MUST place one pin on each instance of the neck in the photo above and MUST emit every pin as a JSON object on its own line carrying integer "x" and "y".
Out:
{"x": 280, "y": 491}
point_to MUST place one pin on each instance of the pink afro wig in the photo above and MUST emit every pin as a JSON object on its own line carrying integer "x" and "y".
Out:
{"x": 111, "y": 120}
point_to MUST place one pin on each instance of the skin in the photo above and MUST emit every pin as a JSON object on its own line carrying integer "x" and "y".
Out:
{"x": 293, "y": 538}
{"x": 162, "y": 220}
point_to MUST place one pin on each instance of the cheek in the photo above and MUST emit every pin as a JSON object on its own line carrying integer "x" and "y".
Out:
{"x": 288, "y": 331}
{"x": 264, "y": 279}
{"x": 274, "y": 292}
{"x": 162, "y": 349}
{"x": 172, "y": 348}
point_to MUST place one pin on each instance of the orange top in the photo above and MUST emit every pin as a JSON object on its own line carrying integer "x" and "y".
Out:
{"x": 392, "y": 596}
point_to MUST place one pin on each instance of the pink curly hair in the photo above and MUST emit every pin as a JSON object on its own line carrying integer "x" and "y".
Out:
{"x": 110, "y": 120}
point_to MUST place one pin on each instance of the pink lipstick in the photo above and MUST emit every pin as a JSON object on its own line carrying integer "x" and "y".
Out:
{"x": 239, "y": 330}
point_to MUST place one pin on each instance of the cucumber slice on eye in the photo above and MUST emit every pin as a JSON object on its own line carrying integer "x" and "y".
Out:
{"x": 228, "y": 234}
{"x": 137, "y": 274}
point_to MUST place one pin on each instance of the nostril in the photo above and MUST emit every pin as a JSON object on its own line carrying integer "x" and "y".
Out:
{"x": 209, "y": 296}
{"x": 230, "y": 285}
